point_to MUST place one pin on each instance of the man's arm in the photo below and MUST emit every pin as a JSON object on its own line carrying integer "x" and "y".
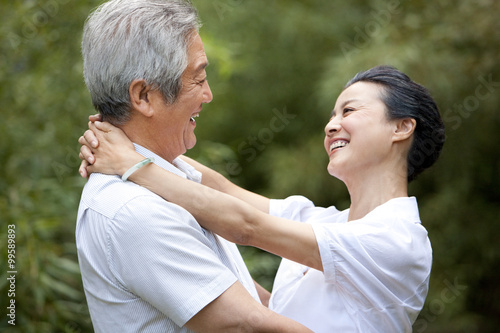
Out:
{"x": 236, "y": 311}
{"x": 162, "y": 255}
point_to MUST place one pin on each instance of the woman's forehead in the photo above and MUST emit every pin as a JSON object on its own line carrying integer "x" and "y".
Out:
{"x": 359, "y": 92}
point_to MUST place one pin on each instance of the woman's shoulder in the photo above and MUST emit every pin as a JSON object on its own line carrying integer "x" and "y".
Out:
{"x": 300, "y": 208}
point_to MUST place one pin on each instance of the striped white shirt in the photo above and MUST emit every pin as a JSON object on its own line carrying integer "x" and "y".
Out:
{"x": 146, "y": 264}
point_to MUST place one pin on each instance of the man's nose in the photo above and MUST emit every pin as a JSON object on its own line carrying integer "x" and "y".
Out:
{"x": 207, "y": 93}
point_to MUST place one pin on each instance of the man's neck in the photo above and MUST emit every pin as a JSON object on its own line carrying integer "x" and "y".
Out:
{"x": 146, "y": 138}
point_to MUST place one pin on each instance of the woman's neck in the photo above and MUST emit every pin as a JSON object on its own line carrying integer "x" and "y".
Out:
{"x": 373, "y": 190}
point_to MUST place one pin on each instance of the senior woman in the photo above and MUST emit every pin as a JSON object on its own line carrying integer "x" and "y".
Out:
{"x": 364, "y": 269}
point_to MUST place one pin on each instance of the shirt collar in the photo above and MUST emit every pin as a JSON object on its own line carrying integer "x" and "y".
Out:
{"x": 403, "y": 207}
{"x": 178, "y": 167}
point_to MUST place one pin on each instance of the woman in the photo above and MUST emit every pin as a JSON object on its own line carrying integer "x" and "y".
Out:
{"x": 364, "y": 269}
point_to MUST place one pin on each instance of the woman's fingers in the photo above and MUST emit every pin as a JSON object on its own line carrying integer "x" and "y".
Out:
{"x": 88, "y": 141}
{"x": 83, "y": 141}
{"x": 104, "y": 127}
{"x": 83, "y": 168}
{"x": 95, "y": 117}
{"x": 105, "y": 149}
{"x": 110, "y": 135}
{"x": 86, "y": 154}
{"x": 90, "y": 137}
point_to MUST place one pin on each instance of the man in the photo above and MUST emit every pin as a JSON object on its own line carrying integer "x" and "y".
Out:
{"x": 147, "y": 265}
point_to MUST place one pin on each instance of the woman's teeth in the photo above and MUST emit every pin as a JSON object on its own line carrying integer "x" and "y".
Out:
{"x": 338, "y": 144}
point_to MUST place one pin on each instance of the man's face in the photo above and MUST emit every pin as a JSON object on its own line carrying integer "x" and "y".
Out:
{"x": 178, "y": 119}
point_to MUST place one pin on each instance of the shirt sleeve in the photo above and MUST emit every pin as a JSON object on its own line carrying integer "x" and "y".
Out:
{"x": 158, "y": 252}
{"x": 296, "y": 208}
{"x": 372, "y": 261}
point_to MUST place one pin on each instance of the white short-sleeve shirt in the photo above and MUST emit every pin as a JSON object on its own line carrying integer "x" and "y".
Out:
{"x": 376, "y": 269}
{"x": 146, "y": 264}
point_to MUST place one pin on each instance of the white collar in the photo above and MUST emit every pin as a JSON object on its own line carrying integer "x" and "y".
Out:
{"x": 178, "y": 167}
{"x": 405, "y": 207}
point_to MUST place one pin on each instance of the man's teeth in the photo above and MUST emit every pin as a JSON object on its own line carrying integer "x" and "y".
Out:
{"x": 338, "y": 144}
{"x": 195, "y": 116}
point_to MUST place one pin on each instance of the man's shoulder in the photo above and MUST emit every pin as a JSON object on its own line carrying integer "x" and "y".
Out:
{"x": 107, "y": 194}
{"x": 128, "y": 206}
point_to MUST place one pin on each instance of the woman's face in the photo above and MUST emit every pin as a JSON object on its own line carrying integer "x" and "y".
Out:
{"x": 358, "y": 135}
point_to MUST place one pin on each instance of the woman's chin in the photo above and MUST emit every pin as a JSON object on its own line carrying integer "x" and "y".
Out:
{"x": 337, "y": 171}
{"x": 332, "y": 170}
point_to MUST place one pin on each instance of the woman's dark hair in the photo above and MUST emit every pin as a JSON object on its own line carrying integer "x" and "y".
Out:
{"x": 407, "y": 99}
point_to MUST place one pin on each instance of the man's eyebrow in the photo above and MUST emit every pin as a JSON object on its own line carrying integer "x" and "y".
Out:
{"x": 201, "y": 67}
{"x": 343, "y": 105}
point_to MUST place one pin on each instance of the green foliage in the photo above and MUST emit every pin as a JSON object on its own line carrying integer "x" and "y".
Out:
{"x": 276, "y": 70}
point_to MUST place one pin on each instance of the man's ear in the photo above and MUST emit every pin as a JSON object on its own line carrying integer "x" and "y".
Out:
{"x": 404, "y": 128}
{"x": 139, "y": 92}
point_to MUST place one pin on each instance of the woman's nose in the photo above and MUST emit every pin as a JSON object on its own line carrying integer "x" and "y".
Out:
{"x": 333, "y": 126}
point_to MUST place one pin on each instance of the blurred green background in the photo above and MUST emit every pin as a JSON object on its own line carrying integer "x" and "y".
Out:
{"x": 276, "y": 69}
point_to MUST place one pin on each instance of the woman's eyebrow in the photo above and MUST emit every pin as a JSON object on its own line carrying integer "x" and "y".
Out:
{"x": 344, "y": 104}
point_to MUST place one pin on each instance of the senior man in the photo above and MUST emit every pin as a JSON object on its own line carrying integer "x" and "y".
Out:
{"x": 147, "y": 265}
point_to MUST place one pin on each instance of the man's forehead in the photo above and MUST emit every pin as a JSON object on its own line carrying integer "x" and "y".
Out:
{"x": 196, "y": 56}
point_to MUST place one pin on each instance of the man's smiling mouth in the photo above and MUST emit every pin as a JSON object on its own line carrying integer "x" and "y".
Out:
{"x": 196, "y": 115}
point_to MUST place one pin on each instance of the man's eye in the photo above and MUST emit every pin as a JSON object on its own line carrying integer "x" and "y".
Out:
{"x": 346, "y": 110}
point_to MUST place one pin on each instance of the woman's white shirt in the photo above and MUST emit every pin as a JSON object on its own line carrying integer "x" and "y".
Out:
{"x": 376, "y": 269}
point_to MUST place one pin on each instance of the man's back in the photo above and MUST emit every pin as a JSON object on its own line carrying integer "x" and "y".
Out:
{"x": 146, "y": 263}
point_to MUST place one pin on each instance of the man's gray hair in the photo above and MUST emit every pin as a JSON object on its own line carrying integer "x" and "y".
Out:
{"x": 125, "y": 40}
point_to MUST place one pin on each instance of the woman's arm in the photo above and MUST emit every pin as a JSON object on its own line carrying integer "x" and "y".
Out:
{"x": 210, "y": 178}
{"x": 233, "y": 218}
{"x": 228, "y": 216}
{"x": 215, "y": 180}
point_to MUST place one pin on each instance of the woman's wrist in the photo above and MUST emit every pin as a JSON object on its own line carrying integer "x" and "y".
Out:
{"x": 128, "y": 162}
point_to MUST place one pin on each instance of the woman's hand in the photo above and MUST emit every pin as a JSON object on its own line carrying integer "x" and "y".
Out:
{"x": 106, "y": 149}
{"x": 86, "y": 154}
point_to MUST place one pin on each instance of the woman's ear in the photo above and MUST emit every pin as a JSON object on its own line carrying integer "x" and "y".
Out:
{"x": 139, "y": 92}
{"x": 404, "y": 129}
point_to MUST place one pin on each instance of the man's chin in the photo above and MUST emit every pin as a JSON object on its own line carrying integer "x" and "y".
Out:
{"x": 191, "y": 143}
